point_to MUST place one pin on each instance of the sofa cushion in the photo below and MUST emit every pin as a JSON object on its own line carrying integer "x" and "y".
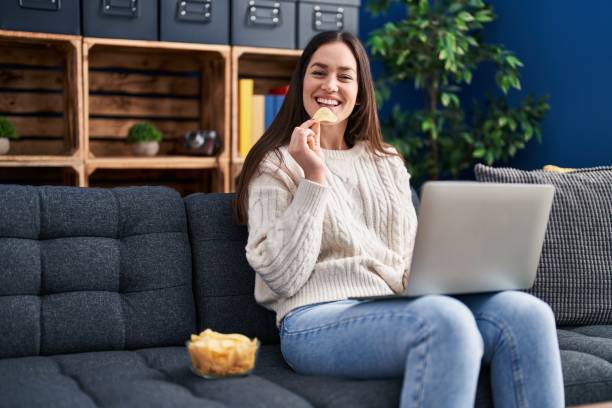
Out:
{"x": 160, "y": 377}
{"x": 224, "y": 281}
{"x": 587, "y": 379}
{"x": 595, "y": 340}
{"x": 93, "y": 269}
{"x": 154, "y": 377}
{"x": 575, "y": 272}
{"x": 586, "y": 357}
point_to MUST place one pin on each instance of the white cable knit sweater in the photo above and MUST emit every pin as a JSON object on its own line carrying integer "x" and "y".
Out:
{"x": 313, "y": 243}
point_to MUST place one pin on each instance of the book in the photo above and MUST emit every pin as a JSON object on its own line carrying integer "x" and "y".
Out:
{"x": 273, "y": 104}
{"x": 270, "y": 112}
{"x": 245, "y": 115}
{"x": 278, "y": 103}
{"x": 256, "y": 113}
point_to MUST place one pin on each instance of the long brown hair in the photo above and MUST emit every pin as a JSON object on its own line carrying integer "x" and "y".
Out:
{"x": 362, "y": 124}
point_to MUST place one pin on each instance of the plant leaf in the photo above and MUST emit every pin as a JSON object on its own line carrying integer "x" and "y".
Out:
{"x": 465, "y": 16}
{"x": 478, "y": 153}
{"x": 445, "y": 99}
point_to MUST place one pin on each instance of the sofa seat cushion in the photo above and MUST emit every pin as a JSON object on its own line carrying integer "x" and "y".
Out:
{"x": 587, "y": 363}
{"x": 160, "y": 377}
{"x": 595, "y": 340}
{"x": 153, "y": 377}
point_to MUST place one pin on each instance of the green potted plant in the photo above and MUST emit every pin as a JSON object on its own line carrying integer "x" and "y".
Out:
{"x": 438, "y": 45}
{"x": 7, "y": 132}
{"x": 145, "y": 138}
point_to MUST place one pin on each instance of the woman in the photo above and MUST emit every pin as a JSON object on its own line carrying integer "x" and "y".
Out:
{"x": 330, "y": 217}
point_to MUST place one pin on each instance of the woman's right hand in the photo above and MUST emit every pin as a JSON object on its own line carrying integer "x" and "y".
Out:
{"x": 305, "y": 148}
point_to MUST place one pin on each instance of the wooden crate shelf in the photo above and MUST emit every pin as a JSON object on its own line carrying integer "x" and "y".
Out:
{"x": 178, "y": 162}
{"x": 42, "y": 173}
{"x": 269, "y": 68}
{"x": 178, "y": 87}
{"x": 170, "y": 163}
{"x": 39, "y": 95}
{"x": 52, "y": 161}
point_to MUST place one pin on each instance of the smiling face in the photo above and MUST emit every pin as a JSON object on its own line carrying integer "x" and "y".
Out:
{"x": 331, "y": 81}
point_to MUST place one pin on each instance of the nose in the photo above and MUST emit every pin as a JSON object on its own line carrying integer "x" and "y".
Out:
{"x": 330, "y": 85}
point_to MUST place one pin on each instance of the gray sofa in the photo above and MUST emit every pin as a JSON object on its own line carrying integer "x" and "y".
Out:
{"x": 100, "y": 288}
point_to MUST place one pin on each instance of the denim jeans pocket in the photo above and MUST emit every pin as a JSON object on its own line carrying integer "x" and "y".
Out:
{"x": 295, "y": 311}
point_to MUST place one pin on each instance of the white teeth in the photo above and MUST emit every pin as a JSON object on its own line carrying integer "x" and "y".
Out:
{"x": 328, "y": 101}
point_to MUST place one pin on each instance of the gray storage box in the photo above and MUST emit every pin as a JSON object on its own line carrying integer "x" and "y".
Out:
{"x": 46, "y": 16}
{"x": 315, "y": 16}
{"x": 196, "y": 21}
{"x": 132, "y": 19}
{"x": 264, "y": 23}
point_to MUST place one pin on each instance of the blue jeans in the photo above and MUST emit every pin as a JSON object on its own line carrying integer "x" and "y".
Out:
{"x": 437, "y": 343}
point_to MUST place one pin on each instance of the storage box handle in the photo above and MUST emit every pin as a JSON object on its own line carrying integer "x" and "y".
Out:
{"x": 50, "y": 5}
{"x": 264, "y": 13}
{"x": 327, "y": 18}
{"x": 199, "y": 11}
{"x": 120, "y": 8}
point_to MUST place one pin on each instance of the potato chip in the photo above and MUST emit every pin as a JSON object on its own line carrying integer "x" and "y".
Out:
{"x": 325, "y": 115}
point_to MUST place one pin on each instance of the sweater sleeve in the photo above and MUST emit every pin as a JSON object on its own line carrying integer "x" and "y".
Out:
{"x": 409, "y": 218}
{"x": 285, "y": 229}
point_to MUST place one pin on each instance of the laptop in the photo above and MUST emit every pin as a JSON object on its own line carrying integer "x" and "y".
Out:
{"x": 477, "y": 237}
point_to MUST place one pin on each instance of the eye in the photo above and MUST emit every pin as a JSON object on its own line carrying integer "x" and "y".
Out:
{"x": 346, "y": 77}
{"x": 318, "y": 73}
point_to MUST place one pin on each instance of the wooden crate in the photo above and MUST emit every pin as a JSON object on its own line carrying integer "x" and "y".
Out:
{"x": 178, "y": 87}
{"x": 41, "y": 173}
{"x": 41, "y": 94}
{"x": 269, "y": 68}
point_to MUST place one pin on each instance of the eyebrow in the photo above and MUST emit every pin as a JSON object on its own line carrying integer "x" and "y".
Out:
{"x": 320, "y": 64}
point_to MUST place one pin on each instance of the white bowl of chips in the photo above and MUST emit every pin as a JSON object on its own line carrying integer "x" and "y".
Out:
{"x": 217, "y": 355}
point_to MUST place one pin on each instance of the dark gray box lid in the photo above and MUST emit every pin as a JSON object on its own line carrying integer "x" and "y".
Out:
{"x": 336, "y": 2}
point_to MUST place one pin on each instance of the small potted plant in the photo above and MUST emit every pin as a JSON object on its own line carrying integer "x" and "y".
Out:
{"x": 145, "y": 138}
{"x": 7, "y": 131}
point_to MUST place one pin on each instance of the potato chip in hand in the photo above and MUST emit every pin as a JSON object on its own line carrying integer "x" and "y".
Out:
{"x": 325, "y": 115}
